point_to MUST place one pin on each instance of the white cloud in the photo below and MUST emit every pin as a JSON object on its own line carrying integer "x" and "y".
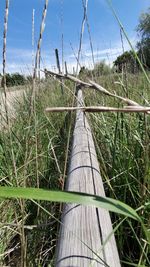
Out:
{"x": 109, "y": 54}
{"x": 16, "y": 53}
{"x": 20, "y": 60}
{"x": 11, "y": 67}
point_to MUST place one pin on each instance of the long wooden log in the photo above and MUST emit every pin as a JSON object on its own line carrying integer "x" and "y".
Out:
{"x": 85, "y": 230}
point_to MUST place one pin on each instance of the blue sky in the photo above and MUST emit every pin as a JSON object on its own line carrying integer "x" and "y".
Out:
{"x": 105, "y": 31}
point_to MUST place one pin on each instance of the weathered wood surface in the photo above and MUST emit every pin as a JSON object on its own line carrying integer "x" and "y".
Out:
{"x": 85, "y": 229}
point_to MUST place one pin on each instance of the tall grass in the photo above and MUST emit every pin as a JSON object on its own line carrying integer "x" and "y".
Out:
{"x": 122, "y": 142}
{"x": 123, "y": 147}
{"x": 40, "y": 236}
{"x": 38, "y": 146}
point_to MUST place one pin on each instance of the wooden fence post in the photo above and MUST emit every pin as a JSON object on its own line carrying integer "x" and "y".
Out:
{"x": 66, "y": 70}
{"x": 58, "y": 67}
{"x": 57, "y": 60}
{"x": 85, "y": 230}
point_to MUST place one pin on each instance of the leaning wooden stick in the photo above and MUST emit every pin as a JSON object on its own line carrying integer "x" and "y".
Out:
{"x": 102, "y": 90}
{"x": 106, "y": 92}
{"x": 68, "y": 76}
{"x": 99, "y": 109}
{"x": 93, "y": 85}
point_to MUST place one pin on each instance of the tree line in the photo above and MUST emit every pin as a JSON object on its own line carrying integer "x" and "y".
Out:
{"x": 15, "y": 79}
{"x": 127, "y": 60}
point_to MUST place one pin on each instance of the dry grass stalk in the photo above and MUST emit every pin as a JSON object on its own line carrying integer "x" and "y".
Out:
{"x": 22, "y": 236}
{"x": 124, "y": 69}
{"x": 4, "y": 58}
{"x": 53, "y": 151}
{"x": 5, "y": 86}
{"x": 33, "y": 13}
{"x": 62, "y": 37}
{"x": 73, "y": 100}
{"x": 32, "y": 107}
{"x": 81, "y": 35}
{"x": 89, "y": 31}
{"x": 38, "y": 49}
{"x": 75, "y": 58}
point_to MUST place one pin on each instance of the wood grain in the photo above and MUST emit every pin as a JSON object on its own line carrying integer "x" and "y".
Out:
{"x": 85, "y": 229}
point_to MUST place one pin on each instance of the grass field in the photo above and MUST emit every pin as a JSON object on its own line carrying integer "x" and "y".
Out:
{"x": 35, "y": 148}
{"x": 39, "y": 145}
{"x": 33, "y": 166}
{"x": 123, "y": 146}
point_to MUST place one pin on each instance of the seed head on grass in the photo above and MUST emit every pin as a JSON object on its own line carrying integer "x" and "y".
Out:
{"x": 38, "y": 51}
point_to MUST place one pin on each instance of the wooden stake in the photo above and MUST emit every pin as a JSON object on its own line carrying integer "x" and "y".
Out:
{"x": 58, "y": 66}
{"x": 57, "y": 60}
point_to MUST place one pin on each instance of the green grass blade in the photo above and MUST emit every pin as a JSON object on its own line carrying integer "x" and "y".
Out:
{"x": 133, "y": 264}
{"x": 127, "y": 38}
{"x": 69, "y": 197}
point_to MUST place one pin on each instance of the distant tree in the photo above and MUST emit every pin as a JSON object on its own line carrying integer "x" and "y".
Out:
{"x": 14, "y": 79}
{"x": 101, "y": 68}
{"x": 144, "y": 24}
{"x": 126, "y": 62}
{"x": 143, "y": 45}
{"x": 18, "y": 79}
{"x": 84, "y": 72}
{"x": 9, "y": 81}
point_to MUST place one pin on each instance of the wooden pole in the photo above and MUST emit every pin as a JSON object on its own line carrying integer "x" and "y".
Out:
{"x": 128, "y": 109}
{"x": 58, "y": 66}
{"x": 66, "y": 70}
{"x": 57, "y": 61}
{"x": 84, "y": 230}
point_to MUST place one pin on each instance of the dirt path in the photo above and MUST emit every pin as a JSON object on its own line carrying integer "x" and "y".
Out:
{"x": 13, "y": 97}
